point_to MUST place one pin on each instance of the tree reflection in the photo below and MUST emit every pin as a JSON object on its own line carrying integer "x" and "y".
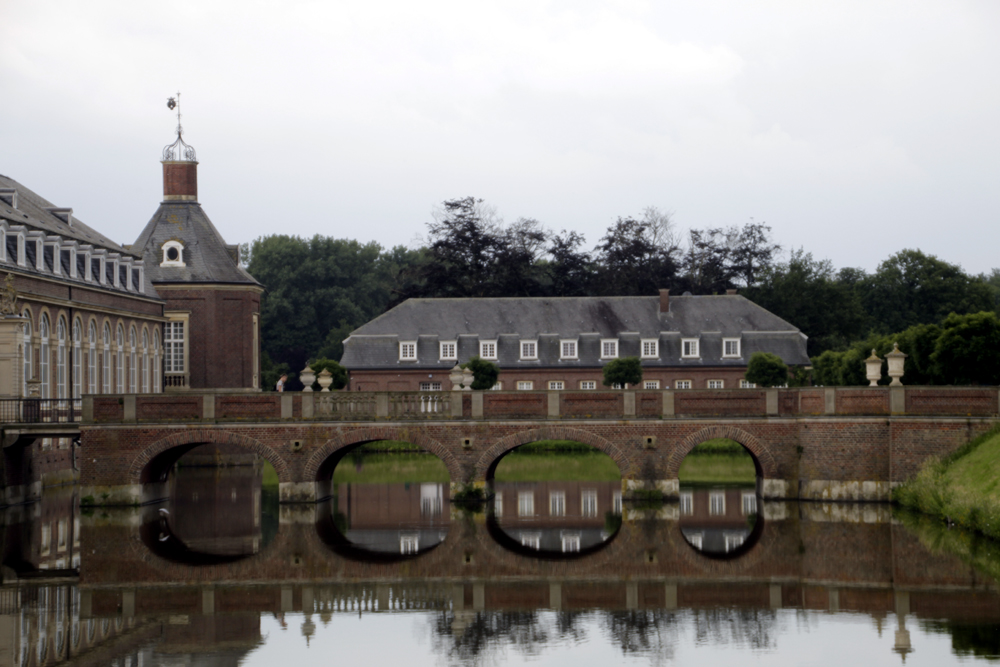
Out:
{"x": 646, "y": 631}
{"x": 751, "y": 628}
{"x": 474, "y": 637}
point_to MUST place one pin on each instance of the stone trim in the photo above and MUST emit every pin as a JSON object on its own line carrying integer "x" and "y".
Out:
{"x": 507, "y": 443}
{"x": 311, "y": 470}
{"x": 205, "y": 437}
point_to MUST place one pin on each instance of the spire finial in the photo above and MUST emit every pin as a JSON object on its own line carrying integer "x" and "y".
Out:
{"x": 175, "y": 103}
{"x": 179, "y": 150}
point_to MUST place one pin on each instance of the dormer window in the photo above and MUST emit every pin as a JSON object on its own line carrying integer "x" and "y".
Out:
{"x": 408, "y": 350}
{"x": 689, "y": 348}
{"x": 173, "y": 254}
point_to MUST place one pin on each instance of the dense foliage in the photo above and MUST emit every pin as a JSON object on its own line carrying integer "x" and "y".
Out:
{"x": 623, "y": 371}
{"x": 484, "y": 373}
{"x": 321, "y": 289}
{"x": 767, "y": 370}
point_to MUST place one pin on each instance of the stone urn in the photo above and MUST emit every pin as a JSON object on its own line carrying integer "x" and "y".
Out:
{"x": 455, "y": 377}
{"x": 467, "y": 378}
{"x": 873, "y": 369}
{"x": 325, "y": 380}
{"x": 896, "y": 361}
{"x": 307, "y": 376}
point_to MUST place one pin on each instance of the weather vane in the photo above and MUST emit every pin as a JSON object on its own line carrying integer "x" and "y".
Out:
{"x": 179, "y": 150}
{"x": 175, "y": 103}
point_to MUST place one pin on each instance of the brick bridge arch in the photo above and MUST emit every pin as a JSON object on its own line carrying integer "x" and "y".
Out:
{"x": 489, "y": 458}
{"x": 188, "y": 439}
{"x": 767, "y": 468}
{"x": 314, "y": 465}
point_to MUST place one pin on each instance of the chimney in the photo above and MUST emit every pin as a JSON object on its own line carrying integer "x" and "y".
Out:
{"x": 664, "y": 301}
{"x": 731, "y": 292}
{"x": 180, "y": 180}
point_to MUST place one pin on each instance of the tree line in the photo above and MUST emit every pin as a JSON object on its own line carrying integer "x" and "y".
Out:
{"x": 320, "y": 289}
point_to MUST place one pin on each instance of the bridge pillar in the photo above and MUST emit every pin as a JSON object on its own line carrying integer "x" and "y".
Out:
{"x": 208, "y": 600}
{"x": 555, "y": 595}
{"x": 670, "y": 596}
{"x": 299, "y": 492}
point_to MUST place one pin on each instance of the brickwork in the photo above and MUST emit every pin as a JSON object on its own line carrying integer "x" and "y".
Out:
{"x": 248, "y": 407}
{"x": 586, "y": 405}
{"x": 956, "y": 402}
{"x": 862, "y": 402}
{"x": 747, "y": 402}
{"x": 166, "y": 408}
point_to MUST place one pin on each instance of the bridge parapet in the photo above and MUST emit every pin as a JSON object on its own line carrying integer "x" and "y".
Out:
{"x": 544, "y": 405}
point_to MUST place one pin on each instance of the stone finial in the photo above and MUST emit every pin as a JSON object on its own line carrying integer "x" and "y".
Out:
{"x": 467, "y": 378}
{"x": 456, "y": 376}
{"x": 896, "y": 361}
{"x": 307, "y": 376}
{"x": 8, "y": 297}
{"x": 325, "y": 380}
{"x": 873, "y": 369}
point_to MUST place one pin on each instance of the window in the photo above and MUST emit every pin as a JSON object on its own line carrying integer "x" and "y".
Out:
{"x": 409, "y": 543}
{"x": 525, "y": 385}
{"x": 689, "y": 347}
{"x": 651, "y": 384}
{"x": 106, "y": 336}
{"x": 747, "y": 385}
{"x": 588, "y": 384}
{"x": 449, "y": 350}
{"x": 732, "y": 540}
{"x": 498, "y": 504}
{"x": 526, "y": 503}
{"x": 567, "y": 349}
{"x": 557, "y": 503}
{"x": 683, "y": 384}
{"x": 730, "y": 347}
{"x": 588, "y": 502}
{"x": 717, "y": 503}
{"x": 156, "y": 361}
{"x": 687, "y": 503}
{"x": 92, "y": 358}
{"x": 616, "y": 503}
{"x": 716, "y": 384}
{"x": 430, "y": 386}
{"x": 120, "y": 359}
{"x": 27, "y": 353}
{"x": 497, "y": 387}
{"x": 43, "y": 357}
{"x": 650, "y": 348}
{"x": 556, "y": 385}
{"x": 173, "y": 254}
{"x": 488, "y": 349}
{"x": 749, "y": 502}
{"x": 77, "y": 359}
{"x": 570, "y": 542}
{"x": 408, "y": 351}
{"x": 173, "y": 347}
{"x": 132, "y": 365}
{"x": 62, "y": 380}
{"x": 609, "y": 348}
{"x": 532, "y": 539}
{"x": 529, "y": 349}
{"x": 145, "y": 361}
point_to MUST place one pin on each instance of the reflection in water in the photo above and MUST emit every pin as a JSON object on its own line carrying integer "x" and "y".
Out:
{"x": 720, "y": 520}
{"x": 557, "y": 517}
{"x": 402, "y": 519}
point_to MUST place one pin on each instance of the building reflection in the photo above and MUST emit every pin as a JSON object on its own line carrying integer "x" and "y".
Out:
{"x": 717, "y": 520}
{"x": 216, "y": 510}
{"x": 557, "y": 517}
{"x": 404, "y": 519}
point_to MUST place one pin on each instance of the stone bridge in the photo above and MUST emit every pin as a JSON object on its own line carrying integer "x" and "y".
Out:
{"x": 811, "y": 443}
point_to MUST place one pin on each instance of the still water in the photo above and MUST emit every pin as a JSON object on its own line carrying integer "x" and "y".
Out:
{"x": 558, "y": 572}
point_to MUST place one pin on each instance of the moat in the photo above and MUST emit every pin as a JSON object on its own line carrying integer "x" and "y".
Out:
{"x": 553, "y": 568}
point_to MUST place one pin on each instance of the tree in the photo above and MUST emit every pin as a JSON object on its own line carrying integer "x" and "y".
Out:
{"x": 630, "y": 264}
{"x": 338, "y": 372}
{"x": 622, "y": 371}
{"x": 484, "y": 373}
{"x": 968, "y": 349}
{"x": 570, "y": 270}
{"x": 767, "y": 370}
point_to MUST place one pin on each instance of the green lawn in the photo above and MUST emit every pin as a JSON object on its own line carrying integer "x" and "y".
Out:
{"x": 539, "y": 465}
{"x": 397, "y": 468}
{"x": 718, "y": 461}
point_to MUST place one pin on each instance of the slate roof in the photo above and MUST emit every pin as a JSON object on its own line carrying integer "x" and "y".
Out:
{"x": 586, "y": 319}
{"x": 207, "y": 256}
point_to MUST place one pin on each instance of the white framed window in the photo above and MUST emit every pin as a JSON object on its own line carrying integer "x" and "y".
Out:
{"x": 556, "y": 385}
{"x": 173, "y": 342}
{"x": 120, "y": 359}
{"x": 687, "y": 503}
{"x": 567, "y": 349}
{"x": 529, "y": 349}
{"x": 526, "y": 503}
{"x": 689, "y": 347}
{"x": 92, "y": 358}
{"x": 747, "y": 385}
{"x": 696, "y": 539}
{"x": 732, "y": 540}
{"x": 682, "y": 384}
{"x": 609, "y": 348}
{"x": 43, "y": 357}
{"x": 448, "y": 350}
{"x": 716, "y": 503}
{"x": 557, "y": 503}
{"x": 408, "y": 350}
{"x": 651, "y": 384}
{"x": 650, "y": 348}
{"x": 77, "y": 358}
{"x": 430, "y": 386}
{"x": 531, "y": 539}
{"x": 409, "y": 543}
{"x": 488, "y": 349}
{"x": 173, "y": 254}
{"x": 145, "y": 361}
{"x": 588, "y": 384}
{"x": 748, "y": 502}
{"x": 716, "y": 384}
{"x": 157, "y": 385}
{"x": 525, "y": 385}
{"x": 497, "y": 387}
{"x": 731, "y": 347}
{"x": 26, "y": 353}
{"x": 133, "y": 367}
{"x": 106, "y": 367}
{"x": 588, "y": 502}
{"x": 570, "y": 542}
{"x": 62, "y": 380}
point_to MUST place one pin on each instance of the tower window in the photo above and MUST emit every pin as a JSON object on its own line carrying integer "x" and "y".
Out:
{"x": 173, "y": 254}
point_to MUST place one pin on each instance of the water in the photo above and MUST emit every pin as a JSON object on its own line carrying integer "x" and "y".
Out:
{"x": 390, "y": 572}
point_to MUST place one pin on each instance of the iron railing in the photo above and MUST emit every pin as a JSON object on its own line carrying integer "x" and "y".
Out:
{"x": 40, "y": 410}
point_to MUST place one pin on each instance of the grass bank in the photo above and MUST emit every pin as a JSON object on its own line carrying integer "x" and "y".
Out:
{"x": 963, "y": 487}
{"x": 718, "y": 461}
{"x": 557, "y": 461}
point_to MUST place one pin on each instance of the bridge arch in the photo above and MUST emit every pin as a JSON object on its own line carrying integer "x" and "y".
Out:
{"x": 488, "y": 460}
{"x": 154, "y": 462}
{"x": 766, "y": 466}
{"x": 322, "y": 461}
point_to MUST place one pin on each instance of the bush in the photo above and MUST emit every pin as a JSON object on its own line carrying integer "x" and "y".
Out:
{"x": 484, "y": 373}
{"x": 767, "y": 370}
{"x": 623, "y": 371}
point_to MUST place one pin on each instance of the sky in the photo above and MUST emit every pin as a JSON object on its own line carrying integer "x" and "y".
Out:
{"x": 854, "y": 128}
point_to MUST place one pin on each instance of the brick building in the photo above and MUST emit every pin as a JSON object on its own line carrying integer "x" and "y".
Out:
{"x": 683, "y": 342}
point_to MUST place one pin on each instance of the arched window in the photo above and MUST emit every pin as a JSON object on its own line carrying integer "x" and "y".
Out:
{"x": 132, "y": 370}
{"x": 28, "y": 356}
{"x": 107, "y": 359}
{"x": 173, "y": 254}
{"x": 77, "y": 359}
{"x": 145, "y": 361}
{"x": 156, "y": 361}
{"x": 120, "y": 360}
{"x": 61, "y": 379}
{"x": 43, "y": 356}
{"x": 92, "y": 358}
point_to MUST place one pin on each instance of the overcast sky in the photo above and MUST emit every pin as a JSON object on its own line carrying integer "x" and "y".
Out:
{"x": 853, "y": 128}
